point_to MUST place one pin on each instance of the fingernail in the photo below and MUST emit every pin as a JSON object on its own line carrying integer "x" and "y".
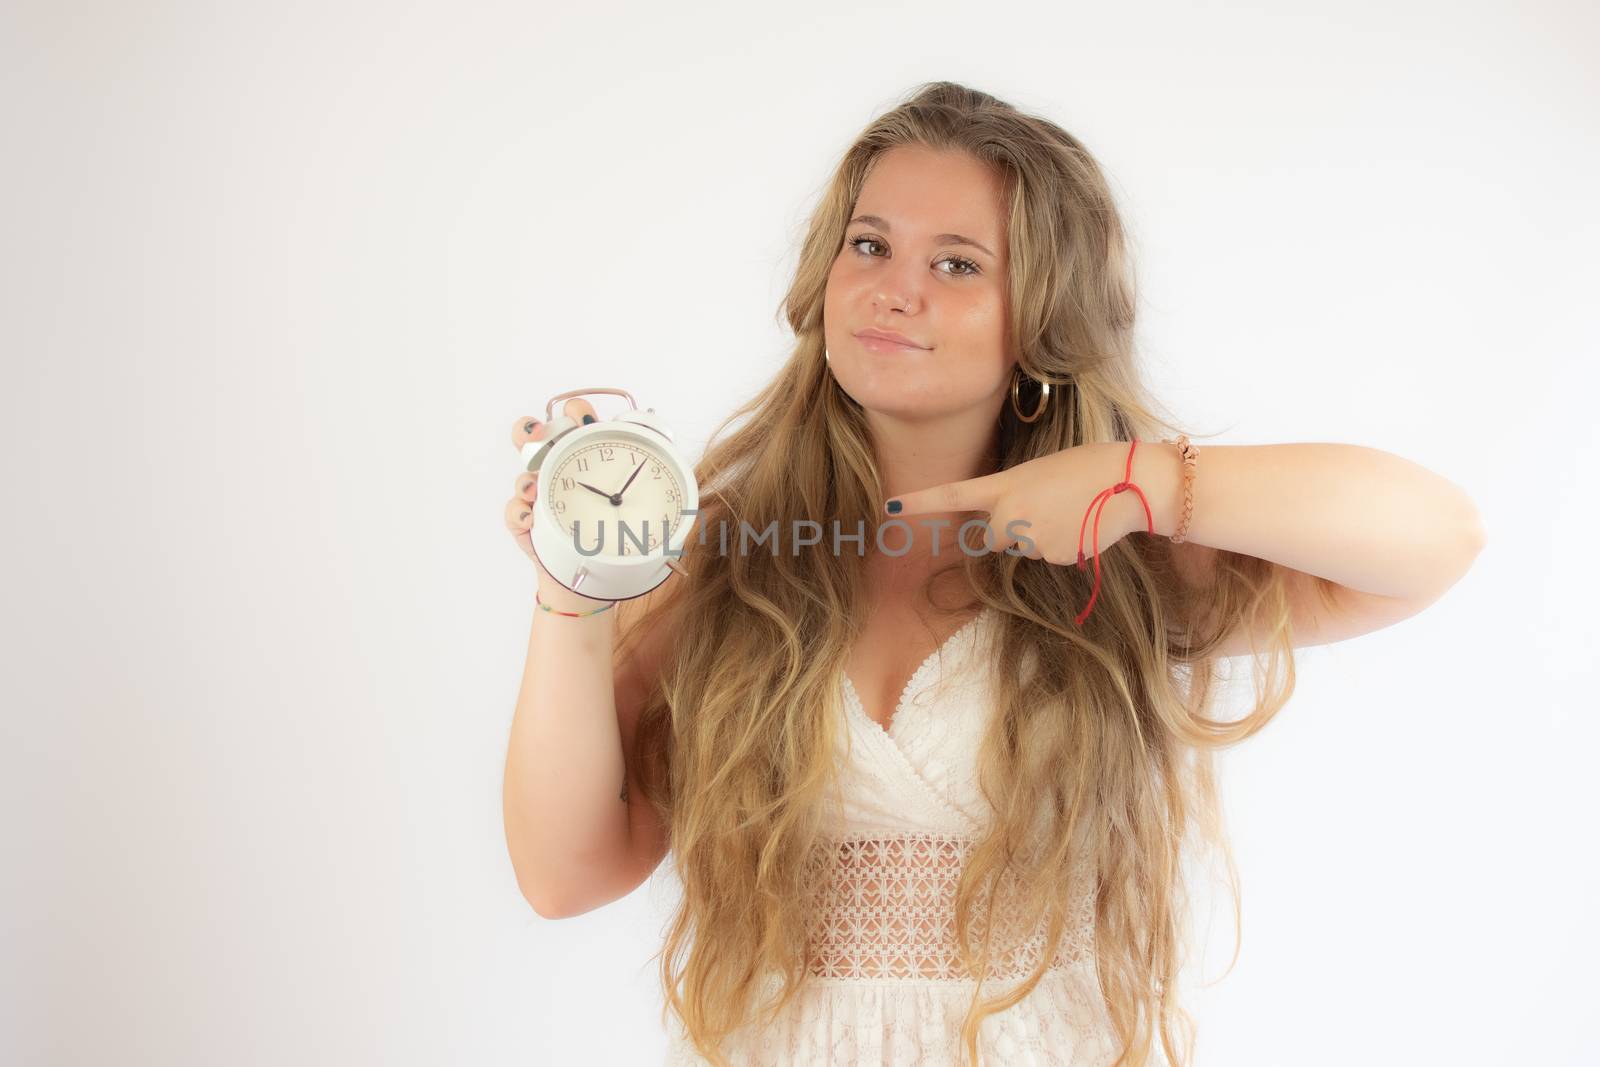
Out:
{"x": 524, "y": 516}
{"x": 894, "y": 507}
{"x": 587, "y": 419}
{"x": 528, "y": 426}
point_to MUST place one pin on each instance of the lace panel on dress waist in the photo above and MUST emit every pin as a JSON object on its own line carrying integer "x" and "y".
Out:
{"x": 888, "y": 911}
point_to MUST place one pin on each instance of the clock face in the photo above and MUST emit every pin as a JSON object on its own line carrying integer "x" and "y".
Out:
{"x": 616, "y": 493}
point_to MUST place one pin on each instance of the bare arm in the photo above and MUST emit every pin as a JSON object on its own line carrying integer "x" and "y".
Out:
{"x": 576, "y": 838}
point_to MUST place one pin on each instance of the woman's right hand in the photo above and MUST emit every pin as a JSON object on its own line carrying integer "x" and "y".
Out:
{"x": 519, "y": 509}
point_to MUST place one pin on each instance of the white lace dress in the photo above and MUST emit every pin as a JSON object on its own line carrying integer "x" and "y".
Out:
{"x": 886, "y": 984}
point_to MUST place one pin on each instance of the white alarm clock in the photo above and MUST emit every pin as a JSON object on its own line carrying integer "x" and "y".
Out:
{"x": 616, "y": 500}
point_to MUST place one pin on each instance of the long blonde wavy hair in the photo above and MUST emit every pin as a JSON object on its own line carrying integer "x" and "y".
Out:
{"x": 1106, "y": 746}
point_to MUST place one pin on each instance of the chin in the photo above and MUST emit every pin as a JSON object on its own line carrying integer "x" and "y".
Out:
{"x": 890, "y": 408}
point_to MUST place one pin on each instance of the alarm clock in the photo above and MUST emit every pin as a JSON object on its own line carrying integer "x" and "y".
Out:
{"x": 616, "y": 500}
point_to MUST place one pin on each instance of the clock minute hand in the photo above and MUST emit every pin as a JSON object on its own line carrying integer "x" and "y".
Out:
{"x": 631, "y": 477}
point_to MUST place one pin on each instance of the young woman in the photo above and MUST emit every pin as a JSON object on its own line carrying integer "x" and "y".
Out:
{"x": 927, "y": 792}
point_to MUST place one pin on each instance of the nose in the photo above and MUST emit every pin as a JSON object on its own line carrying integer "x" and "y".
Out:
{"x": 898, "y": 289}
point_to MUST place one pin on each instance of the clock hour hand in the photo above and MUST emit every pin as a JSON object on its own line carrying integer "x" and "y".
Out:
{"x": 592, "y": 489}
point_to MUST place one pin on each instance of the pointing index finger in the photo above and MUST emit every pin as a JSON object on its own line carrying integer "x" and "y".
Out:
{"x": 973, "y": 494}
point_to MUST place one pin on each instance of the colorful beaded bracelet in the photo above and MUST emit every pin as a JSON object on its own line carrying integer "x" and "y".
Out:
{"x": 570, "y": 614}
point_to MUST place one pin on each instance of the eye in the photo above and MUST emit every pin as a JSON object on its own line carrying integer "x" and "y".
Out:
{"x": 968, "y": 267}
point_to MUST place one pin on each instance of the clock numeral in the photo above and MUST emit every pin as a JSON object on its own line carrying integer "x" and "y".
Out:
{"x": 633, "y": 457}
{"x": 583, "y": 464}
{"x": 568, "y": 483}
{"x": 605, "y": 453}
{"x": 655, "y": 472}
{"x": 560, "y": 506}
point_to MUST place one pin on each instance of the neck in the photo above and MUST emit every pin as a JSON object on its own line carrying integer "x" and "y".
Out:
{"x": 917, "y": 453}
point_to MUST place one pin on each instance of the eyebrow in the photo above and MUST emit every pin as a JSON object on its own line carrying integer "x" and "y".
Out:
{"x": 941, "y": 238}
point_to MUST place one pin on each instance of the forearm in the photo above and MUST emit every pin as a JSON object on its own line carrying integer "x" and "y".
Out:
{"x": 1358, "y": 516}
{"x": 564, "y": 766}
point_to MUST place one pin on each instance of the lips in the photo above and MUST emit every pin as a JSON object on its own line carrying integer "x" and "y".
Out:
{"x": 887, "y": 341}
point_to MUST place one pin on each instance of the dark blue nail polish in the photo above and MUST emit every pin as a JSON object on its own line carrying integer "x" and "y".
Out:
{"x": 587, "y": 419}
{"x": 894, "y": 507}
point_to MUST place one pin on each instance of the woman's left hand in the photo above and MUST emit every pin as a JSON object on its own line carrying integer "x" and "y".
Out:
{"x": 1040, "y": 506}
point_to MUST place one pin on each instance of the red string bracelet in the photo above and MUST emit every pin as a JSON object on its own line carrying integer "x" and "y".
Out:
{"x": 1097, "y": 506}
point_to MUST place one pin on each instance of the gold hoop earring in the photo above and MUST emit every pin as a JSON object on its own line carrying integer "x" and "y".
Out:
{"x": 1044, "y": 397}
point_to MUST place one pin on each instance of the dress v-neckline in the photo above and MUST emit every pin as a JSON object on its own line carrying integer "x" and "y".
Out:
{"x": 913, "y": 684}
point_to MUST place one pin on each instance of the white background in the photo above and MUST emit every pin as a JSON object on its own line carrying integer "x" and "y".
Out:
{"x": 278, "y": 278}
